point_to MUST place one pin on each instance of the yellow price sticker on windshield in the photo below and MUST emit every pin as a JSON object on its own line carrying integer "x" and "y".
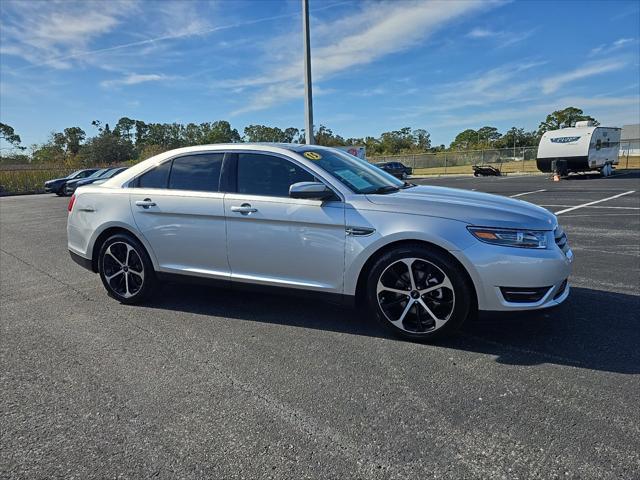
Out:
{"x": 312, "y": 155}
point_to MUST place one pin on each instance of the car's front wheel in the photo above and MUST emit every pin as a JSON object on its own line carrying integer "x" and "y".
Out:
{"x": 418, "y": 293}
{"x": 125, "y": 269}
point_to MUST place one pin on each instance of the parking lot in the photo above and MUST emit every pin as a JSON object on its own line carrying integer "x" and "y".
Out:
{"x": 202, "y": 383}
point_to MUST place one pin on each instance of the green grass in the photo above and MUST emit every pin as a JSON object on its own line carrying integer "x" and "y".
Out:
{"x": 15, "y": 182}
{"x": 528, "y": 166}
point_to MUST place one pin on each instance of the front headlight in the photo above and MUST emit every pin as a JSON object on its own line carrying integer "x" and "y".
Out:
{"x": 510, "y": 238}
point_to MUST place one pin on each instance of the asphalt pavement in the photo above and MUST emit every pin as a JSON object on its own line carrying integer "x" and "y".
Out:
{"x": 203, "y": 383}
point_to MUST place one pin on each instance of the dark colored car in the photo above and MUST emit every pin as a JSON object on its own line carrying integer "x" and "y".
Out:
{"x": 71, "y": 185}
{"x": 57, "y": 185}
{"x": 396, "y": 169}
{"x": 110, "y": 172}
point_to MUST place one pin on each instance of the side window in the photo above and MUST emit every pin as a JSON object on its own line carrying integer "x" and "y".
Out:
{"x": 196, "y": 172}
{"x": 267, "y": 175}
{"x": 155, "y": 178}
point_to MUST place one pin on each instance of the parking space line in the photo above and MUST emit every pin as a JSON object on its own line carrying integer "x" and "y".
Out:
{"x": 527, "y": 193}
{"x": 599, "y": 206}
{"x": 594, "y": 202}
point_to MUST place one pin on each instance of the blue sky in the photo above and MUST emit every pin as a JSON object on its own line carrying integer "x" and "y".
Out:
{"x": 377, "y": 65}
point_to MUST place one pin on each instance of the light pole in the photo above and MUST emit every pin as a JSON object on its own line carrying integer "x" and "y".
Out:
{"x": 308, "y": 100}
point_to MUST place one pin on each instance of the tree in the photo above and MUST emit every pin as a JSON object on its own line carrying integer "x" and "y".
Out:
{"x": 124, "y": 128}
{"x": 219, "y": 132}
{"x": 422, "y": 139}
{"x": 73, "y": 137}
{"x": 262, "y": 133}
{"x": 8, "y": 134}
{"x": 465, "y": 140}
{"x": 564, "y": 118}
{"x": 487, "y": 135}
{"x": 325, "y": 136}
{"x": 517, "y": 137}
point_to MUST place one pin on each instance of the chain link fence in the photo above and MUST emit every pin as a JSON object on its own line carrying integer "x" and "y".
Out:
{"x": 507, "y": 160}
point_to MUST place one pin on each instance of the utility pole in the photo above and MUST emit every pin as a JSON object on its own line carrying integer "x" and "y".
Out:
{"x": 308, "y": 95}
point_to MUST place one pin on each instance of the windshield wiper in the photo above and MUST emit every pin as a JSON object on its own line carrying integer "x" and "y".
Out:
{"x": 408, "y": 185}
{"x": 384, "y": 189}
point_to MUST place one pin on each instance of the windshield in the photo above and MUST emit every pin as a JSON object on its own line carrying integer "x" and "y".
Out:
{"x": 98, "y": 173}
{"x": 114, "y": 172}
{"x": 74, "y": 174}
{"x": 357, "y": 174}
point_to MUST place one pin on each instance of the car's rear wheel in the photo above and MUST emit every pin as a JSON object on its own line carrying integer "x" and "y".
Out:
{"x": 418, "y": 293}
{"x": 125, "y": 269}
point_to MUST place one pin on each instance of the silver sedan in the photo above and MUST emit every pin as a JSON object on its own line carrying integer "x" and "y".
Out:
{"x": 316, "y": 220}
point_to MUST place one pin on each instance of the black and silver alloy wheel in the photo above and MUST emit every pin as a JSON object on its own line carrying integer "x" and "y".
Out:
{"x": 125, "y": 269}
{"x": 415, "y": 295}
{"x": 418, "y": 292}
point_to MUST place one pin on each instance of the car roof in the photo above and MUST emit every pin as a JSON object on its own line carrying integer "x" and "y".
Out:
{"x": 266, "y": 147}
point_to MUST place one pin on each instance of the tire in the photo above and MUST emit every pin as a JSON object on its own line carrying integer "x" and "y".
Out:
{"x": 404, "y": 314}
{"x": 404, "y": 176}
{"x": 125, "y": 269}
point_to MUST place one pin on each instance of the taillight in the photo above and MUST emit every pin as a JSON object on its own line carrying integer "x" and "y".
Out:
{"x": 72, "y": 200}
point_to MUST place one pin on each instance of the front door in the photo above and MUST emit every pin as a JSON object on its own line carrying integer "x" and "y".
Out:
{"x": 178, "y": 208}
{"x": 276, "y": 240}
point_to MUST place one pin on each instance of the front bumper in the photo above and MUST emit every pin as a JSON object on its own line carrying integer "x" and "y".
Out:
{"x": 493, "y": 267}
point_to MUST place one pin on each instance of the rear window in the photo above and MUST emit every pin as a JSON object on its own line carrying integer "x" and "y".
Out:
{"x": 156, "y": 177}
{"x": 196, "y": 172}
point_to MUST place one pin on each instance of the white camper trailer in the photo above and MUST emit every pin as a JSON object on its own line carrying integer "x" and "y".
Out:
{"x": 581, "y": 148}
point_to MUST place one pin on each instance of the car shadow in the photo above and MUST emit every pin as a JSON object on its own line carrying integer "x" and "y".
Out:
{"x": 593, "y": 329}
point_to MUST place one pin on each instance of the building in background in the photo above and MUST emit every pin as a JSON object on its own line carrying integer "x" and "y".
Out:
{"x": 630, "y": 140}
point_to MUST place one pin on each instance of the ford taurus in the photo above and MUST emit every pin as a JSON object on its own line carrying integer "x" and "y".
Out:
{"x": 317, "y": 220}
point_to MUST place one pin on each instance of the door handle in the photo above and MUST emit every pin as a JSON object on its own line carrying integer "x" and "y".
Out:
{"x": 244, "y": 209}
{"x": 146, "y": 203}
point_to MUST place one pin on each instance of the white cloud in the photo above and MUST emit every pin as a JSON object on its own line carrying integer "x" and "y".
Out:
{"x": 612, "y": 47}
{"x": 481, "y": 33}
{"x": 503, "y": 38}
{"x": 497, "y": 85}
{"x": 135, "y": 79}
{"x": 347, "y": 43}
{"x": 552, "y": 84}
{"x": 611, "y": 110}
{"x": 43, "y": 31}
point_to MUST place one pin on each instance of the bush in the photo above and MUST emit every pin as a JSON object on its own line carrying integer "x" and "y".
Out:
{"x": 13, "y": 182}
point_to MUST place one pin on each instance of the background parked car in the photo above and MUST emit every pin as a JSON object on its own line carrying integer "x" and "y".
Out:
{"x": 105, "y": 177}
{"x": 396, "y": 169}
{"x": 102, "y": 174}
{"x": 71, "y": 185}
{"x": 57, "y": 185}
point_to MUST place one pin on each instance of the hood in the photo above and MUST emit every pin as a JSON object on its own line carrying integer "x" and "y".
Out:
{"x": 83, "y": 181}
{"x": 55, "y": 180}
{"x": 474, "y": 208}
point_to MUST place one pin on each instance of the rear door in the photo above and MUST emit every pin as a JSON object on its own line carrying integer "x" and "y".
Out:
{"x": 276, "y": 240}
{"x": 179, "y": 209}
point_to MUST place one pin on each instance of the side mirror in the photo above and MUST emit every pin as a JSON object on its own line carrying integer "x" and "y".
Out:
{"x": 311, "y": 191}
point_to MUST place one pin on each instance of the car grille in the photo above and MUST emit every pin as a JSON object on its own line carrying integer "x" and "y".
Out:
{"x": 561, "y": 239}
